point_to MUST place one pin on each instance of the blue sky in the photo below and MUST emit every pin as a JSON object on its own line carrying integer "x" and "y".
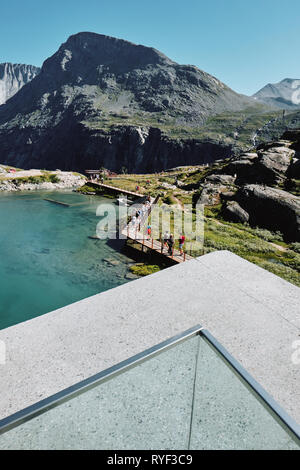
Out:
{"x": 244, "y": 43}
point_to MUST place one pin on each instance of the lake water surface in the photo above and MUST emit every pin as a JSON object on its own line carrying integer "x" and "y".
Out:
{"x": 46, "y": 258}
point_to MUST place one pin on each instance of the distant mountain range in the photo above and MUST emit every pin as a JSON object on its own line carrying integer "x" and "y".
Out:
{"x": 101, "y": 101}
{"x": 13, "y": 77}
{"x": 284, "y": 95}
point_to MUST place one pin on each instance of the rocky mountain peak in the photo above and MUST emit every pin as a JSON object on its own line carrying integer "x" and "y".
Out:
{"x": 100, "y": 53}
{"x": 284, "y": 95}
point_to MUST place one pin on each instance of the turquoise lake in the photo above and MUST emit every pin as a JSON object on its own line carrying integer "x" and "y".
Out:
{"x": 47, "y": 259}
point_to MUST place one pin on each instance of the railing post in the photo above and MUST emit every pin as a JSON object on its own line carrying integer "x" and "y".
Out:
{"x": 184, "y": 256}
{"x": 152, "y": 243}
{"x": 172, "y": 252}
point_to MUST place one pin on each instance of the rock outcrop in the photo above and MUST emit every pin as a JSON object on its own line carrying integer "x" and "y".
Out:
{"x": 271, "y": 164}
{"x": 13, "y": 77}
{"x": 250, "y": 187}
{"x": 271, "y": 208}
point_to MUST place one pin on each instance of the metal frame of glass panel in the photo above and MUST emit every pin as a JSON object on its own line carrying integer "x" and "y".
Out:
{"x": 55, "y": 400}
{"x": 261, "y": 394}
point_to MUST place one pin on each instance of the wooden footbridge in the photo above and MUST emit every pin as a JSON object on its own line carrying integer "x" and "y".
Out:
{"x": 138, "y": 233}
{"x": 115, "y": 189}
{"x": 149, "y": 244}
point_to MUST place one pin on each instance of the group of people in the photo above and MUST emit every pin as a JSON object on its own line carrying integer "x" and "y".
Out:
{"x": 168, "y": 241}
{"x": 140, "y": 215}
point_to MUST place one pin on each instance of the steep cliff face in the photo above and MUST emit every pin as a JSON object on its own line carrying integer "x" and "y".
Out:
{"x": 13, "y": 77}
{"x": 97, "y": 93}
{"x": 139, "y": 149}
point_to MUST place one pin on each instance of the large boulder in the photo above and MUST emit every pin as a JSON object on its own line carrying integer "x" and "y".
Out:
{"x": 273, "y": 164}
{"x": 233, "y": 212}
{"x": 271, "y": 208}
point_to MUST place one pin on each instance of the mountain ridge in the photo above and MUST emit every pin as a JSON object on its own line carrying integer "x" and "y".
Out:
{"x": 284, "y": 94}
{"x": 103, "y": 101}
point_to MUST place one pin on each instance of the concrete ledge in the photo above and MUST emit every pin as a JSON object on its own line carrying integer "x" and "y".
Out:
{"x": 252, "y": 312}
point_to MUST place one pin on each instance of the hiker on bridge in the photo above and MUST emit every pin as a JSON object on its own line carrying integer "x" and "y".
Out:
{"x": 171, "y": 244}
{"x": 166, "y": 238}
{"x": 181, "y": 243}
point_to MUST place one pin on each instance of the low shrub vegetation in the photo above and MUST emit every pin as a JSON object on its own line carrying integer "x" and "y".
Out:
{"x": 142, "y": 269}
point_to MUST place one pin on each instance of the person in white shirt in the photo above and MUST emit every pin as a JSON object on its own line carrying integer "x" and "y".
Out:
{"x": 166, "y": 238}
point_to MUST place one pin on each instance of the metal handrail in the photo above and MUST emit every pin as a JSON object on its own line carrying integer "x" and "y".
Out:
{"x": 67, "y": 394}
{"x": 264, "y": 396}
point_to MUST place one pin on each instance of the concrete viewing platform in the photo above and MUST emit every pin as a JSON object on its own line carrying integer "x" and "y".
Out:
{"x": 251, "y": 312}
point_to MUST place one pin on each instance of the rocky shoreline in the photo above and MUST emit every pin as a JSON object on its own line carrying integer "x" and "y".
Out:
{"x": 30, "y": 182}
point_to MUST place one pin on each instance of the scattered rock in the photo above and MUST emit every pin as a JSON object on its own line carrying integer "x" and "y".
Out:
{"x": 130, "y": 276}
{"x": 111, "y": 261}
{"x": 168, "y": 186}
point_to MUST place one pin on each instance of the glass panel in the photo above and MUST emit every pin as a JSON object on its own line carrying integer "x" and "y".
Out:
{"x": 148, "y": 406}
{"x": 185, "y": 397}
{"x": 227, "y": 414}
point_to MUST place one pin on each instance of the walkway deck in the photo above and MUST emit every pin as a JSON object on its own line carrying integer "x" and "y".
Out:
{"x": 138, "y": 236}
{"x": 141, "y": 237}
{"x": 154, "y": 245}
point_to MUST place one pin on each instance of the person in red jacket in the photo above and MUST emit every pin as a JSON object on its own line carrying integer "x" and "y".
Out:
{"x": 181, "y": 243}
